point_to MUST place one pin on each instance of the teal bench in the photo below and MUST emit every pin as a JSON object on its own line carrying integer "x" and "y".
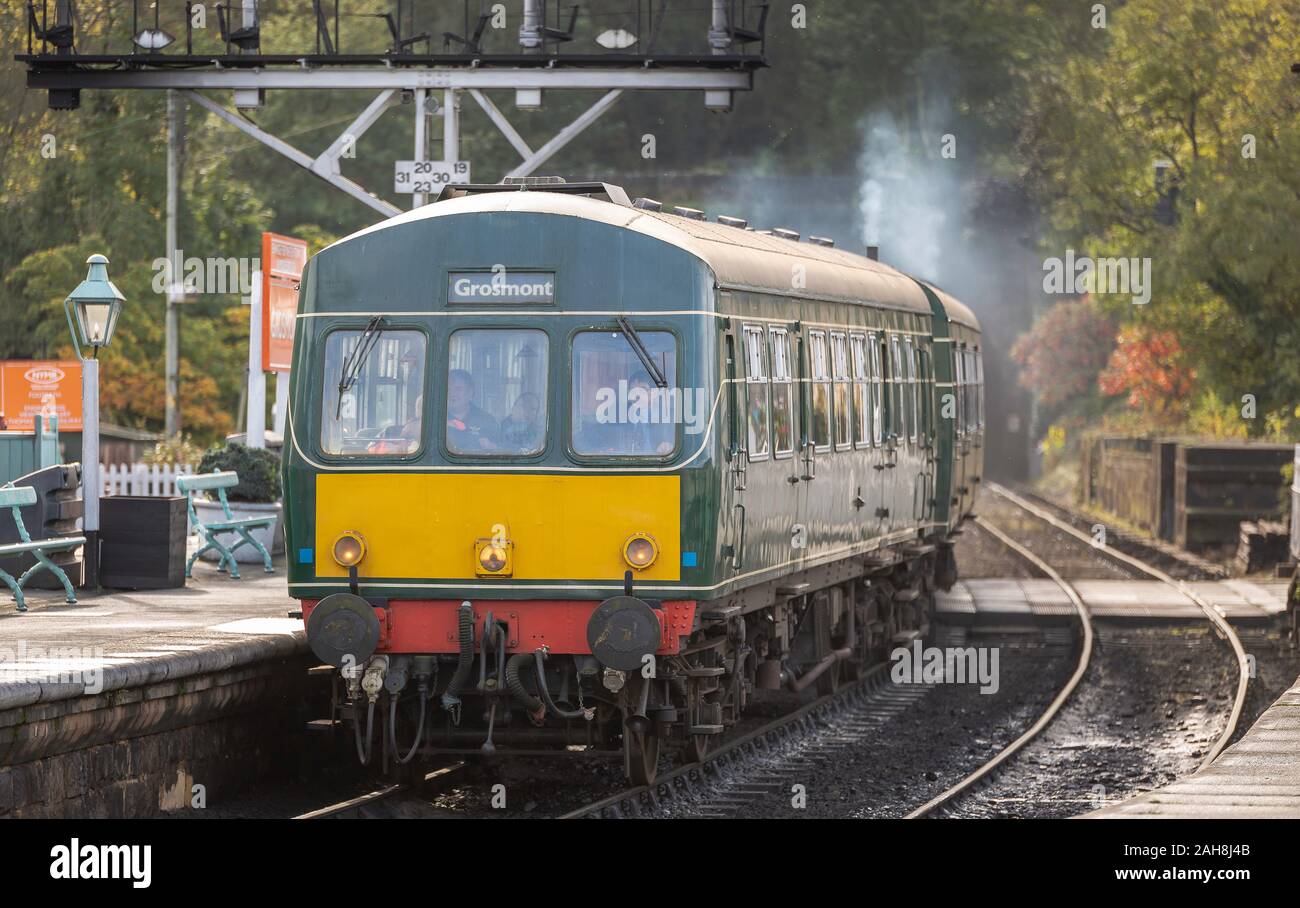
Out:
{"x": 16, "y": 498}
{"x": 219, "y": 482}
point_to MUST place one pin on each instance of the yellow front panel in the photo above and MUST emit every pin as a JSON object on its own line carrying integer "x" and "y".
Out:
{"x": 423, "y": 525}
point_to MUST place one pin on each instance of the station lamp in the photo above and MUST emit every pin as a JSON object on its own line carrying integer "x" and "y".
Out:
{"x": 94, "y": 306}
{"x": 92, "y": 310}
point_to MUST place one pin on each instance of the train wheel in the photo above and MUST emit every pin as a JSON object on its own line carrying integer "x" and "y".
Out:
{"x": 641, "y": 755}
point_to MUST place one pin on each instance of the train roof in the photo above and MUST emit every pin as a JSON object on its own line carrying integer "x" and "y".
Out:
{"x": 956, "y": 310}
{"x": 739, "y": 259}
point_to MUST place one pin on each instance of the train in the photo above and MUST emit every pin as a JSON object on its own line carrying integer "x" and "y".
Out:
{"x": 566, "y": 470}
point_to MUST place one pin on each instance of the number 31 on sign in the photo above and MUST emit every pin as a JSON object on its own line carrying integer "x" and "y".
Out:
{"x": 428, "y": 176}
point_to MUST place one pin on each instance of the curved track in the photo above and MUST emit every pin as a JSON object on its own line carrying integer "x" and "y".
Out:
{"x": 1085, "y": 656}
{"x": 1220, "y": 623}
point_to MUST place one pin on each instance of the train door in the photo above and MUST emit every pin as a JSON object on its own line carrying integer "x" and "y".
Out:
{"x": 865, "y": 419}
{"x": 785, "y": 436}
{"x": 961, "y": 444}
{"x": 929, "y": 450}
{"x": 893, "y": 417}
{"x": 733, "y": 489}
{"x": 758, "y": 433}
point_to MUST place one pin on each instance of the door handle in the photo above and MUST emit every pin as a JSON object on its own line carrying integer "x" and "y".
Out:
{"x": 738, "y": 557}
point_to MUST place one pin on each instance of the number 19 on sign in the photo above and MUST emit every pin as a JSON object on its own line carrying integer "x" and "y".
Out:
{"x": 428, "y": 176}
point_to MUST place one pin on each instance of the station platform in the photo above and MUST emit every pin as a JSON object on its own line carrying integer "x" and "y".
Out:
{"x": 112, "y": 640}
{"x": 128, "y": 704}
{"x": 1256, "y": 778}
{"x": 1002, "y": 602}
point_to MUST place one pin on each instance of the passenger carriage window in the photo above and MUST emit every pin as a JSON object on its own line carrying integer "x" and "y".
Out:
{"x": 756, "y": 391}
{"x": 782, "y": 391}
{"x": 496, "y": 391}
{"x": 876, "y": 347}
{"x": 840, "y": 373}
{"x": 959, "y": 388}
{"x": 971, "y": 413}
{"x": 820, "y": 433}
{"x": 979, "y": 389}
{"x": 861, "y": 391}
{"x": 896, "y": 424}
{"x": 618, "y": 410}
{"x": 926, "y": 392}
{"x": 913, "y": 396}
{"x": 374, "y": 393}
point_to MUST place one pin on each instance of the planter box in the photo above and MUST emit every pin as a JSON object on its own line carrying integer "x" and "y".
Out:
{"x": 142, "y": 542}
{"x": 270, "y": 536}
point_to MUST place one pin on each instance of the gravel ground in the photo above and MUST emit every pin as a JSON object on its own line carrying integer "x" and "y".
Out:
{"x": 1153, "y": 701}
{"x": 883, "y": 762}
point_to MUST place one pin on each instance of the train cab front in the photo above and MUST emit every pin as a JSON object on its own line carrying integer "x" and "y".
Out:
{"x": 497, "y": 665}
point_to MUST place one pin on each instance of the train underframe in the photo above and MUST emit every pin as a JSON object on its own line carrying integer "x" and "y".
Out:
{"x": 812, "y": 631}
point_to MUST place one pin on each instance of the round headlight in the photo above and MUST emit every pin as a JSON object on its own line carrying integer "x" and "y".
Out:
{"x": 349, "y": 549}
{"x": 492, "y": 557}
{"x": 640, "y": 551}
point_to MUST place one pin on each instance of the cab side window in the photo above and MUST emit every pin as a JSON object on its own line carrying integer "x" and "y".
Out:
{"x": 820, "y": 434}
{"x": 756, "y": 391}
{"x": 782, "y": 391}
{"x": 373, "y": 404}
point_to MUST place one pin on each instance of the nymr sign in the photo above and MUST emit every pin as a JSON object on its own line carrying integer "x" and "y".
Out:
{"x": 501, "y": 286}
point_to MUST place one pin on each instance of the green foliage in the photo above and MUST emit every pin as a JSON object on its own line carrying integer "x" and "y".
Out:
{"x": 258, "y": 469}
{"x": 1201, "y": 86}
{"x": 180, "y": 451}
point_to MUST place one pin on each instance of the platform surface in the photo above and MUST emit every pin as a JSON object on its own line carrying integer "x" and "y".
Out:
{"x": 113, "y": 639}
{"x": 1256, "y": 778}
{"x": 995, "y": 600}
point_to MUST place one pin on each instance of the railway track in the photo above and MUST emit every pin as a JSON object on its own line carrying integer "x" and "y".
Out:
{"x": 738, "y": 770}
{"x": 1080, "y": 669}
{"x": 381, "y": 802}
{"x": 1217, "y": 620}
{"x": 1221, "y": 626}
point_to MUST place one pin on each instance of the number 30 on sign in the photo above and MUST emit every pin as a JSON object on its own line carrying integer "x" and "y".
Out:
{"x": 428, "y": 176}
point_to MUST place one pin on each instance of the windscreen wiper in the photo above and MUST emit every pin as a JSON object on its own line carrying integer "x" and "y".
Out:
{"x": 634, "y": 341}
{"x": 357, "y": 358}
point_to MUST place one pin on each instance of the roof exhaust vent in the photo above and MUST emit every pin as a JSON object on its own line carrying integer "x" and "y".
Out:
{"x": 648, "y": 204}
{"x": 693, "y": 213}
{"x": 821, "y": 240}
{"x": 727, "y": 221}
{"x": 873, "y": 253}
{"x": 766, "y": 232}
{"x": 786, "y": 233}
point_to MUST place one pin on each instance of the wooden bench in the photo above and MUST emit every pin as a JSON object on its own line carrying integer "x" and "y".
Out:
{"x": 219, "y": 482}
{"x": 15, "y": 499}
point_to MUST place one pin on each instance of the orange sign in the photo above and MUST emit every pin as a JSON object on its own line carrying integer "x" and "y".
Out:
{"x": 29, "y": 387}
{"x": 283, "y": 259}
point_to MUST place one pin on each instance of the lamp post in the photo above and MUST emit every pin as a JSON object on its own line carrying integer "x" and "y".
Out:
{"x": 92, "y": 311}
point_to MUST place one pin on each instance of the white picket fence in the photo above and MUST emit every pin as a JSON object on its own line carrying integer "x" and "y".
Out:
{"x": 147, "y": 479}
